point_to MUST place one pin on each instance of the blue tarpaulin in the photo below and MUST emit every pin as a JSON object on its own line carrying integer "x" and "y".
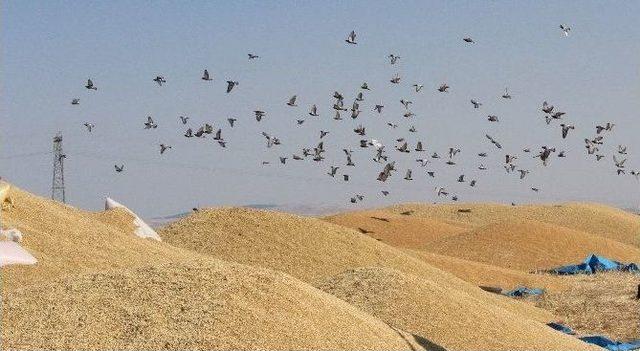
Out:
{"x": 561, "y": 327}
{"x": 522, "y": 291}
{"x": 593, "y": 264}
{"x": 610, "y": 344}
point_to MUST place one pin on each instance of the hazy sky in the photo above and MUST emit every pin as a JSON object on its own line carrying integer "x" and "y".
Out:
{"x": 50, "y": 48}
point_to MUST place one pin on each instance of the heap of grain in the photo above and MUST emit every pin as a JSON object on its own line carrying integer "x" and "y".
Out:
{"x": 314, "y": 251}
{"x": 448, "y": 316}
{"x": 98, "y": 286}
{"x": 529, "y": 245}
{"x": 605, "y": 221}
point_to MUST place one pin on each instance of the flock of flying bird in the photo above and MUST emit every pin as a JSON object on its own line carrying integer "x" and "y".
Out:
{"x": 381, "y": 152}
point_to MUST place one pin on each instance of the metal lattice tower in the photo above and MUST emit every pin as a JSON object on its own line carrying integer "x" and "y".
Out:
{"x": 57, "y": 184}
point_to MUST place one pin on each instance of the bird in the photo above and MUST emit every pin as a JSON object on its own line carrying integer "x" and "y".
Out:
{"x": 337, "y": 116}
{"x": 189, "y": 133}
{"x": 333, "y": 171}
{"x": 385, "y": 192}
{"x": 150, "y": 123}
{"x": 283, "y": 160}
{"x": 475, "y": 103}
{"x": 364, "y": 86}
{"x": 636, "y": 174}
{"x": 622, "y": 150}
{"x": 89, "y": 126}
{"x": 419, "y": 147}
{"x": 351, "y": 38}
{"x": 90, "y": 85}
{"x": 535, "y": 189}
{"x": 231, "y": 84}
{"x": 493, "y": 141}
{"x": 412, "y": 129}
{"x": 378, "y": 108}
{"x": 523, "y": 173}
{"x": 408, "y": 175}
{"x": 345, "y": 177}
{"x": 472, "y": 183}
{"x": 619, "y": 163}
{"x": 184, "y": 119}
{"x": 253, "y": 57}
{"x": 544, "y": 154}
{"x": 393, "y": 58}
{"x": 159, "y": 80}
{"x": 313, "y": 111}
{"x": 441, "y": 191}
{"x": 565, "y": 29}
{"x": 506, "y": 94}
{"x": 482, "y": 167}
{"x": 443, "y": 88}
{"x": 562, "y": 154}
{"x": 546, "y": 108}
{"x": 120, "y": 168}
{"x": 299, "y": 121}
{"x": 431, "y": 174}
{"x": 405, "y": 103}
{"x": 565, "y": 129}
{"x": 205, "y": 75}
{"x": 323, "y": 134}
{"x": 292, "y": 101}
{"x": 163, "y": 148}
{"x": 75, "y": 102}
{"x": 231, "y": 121}
{"x": 395, "y": 79}
{"x": 259, "y": 114}
{"x": 493, "y": 118}
{"x": 418, "y": 87}
{"x": 461, "y": 178}
{"x": 468, "y": 40}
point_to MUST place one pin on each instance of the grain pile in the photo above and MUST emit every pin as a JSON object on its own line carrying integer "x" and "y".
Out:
{"x": 410, "y": 303}
{"x": 215, "y": 305}
{"x": 66, "y": 240}
{"x": 396, "y": 229}
{"x": 529, "y": 245}
{"x": 98, "y": 286}
{"x": 310, "y": 250}
{"x": 599, "y": 304}
{"x": 609, "y": 222}
{"x": 487, "y": 275}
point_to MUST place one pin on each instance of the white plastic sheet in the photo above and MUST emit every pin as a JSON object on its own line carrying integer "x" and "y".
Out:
{"x": 143, "y": 230}
{"x": 12, "y": 253}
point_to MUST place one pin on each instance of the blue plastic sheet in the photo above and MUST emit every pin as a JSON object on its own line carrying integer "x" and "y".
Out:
{"x": 562, "y": 328}
{"x": 522, "y": 291}
{"x": 593, "y": 264}
{"x": 610, "y": 344}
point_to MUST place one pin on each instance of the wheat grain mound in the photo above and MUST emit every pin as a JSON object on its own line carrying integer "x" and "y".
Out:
{"x": 599, "y": 304}
{"x": 211, "y": 306}
{"x": 397, "y": 230}
{"x": 530, "y": 245}
{"x": 310, "y": 249}
{"x": 606, "y": 221}
{"x": 487, "y": 275}
{"x": 447, "y": 316}
{"x": 66, "y": 240}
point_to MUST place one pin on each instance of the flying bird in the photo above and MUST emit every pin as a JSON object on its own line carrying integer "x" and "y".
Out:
{"x": 184, "y": 119}
{"x": 351, "y": 38}
{"x": 393, "y": 58}
{"x": 163, "y": 148}
{"x": 253, "y": 57}
{"x": 205, "y": 75}
{"x": 292, "y": 101}
{"x": 90, "y": 85}
{"x": 230, "y": 85}
{"x": 475, "y": 103}
{"x": 120, "y": 168}
{"x": 75, "y": 102}
{"x": 159, "y": 80}
{"x": 565, "y": 29}
{"x": 89, "y": 126}
{"x": 149, "y": 124}
{"x": 443, "y": 88}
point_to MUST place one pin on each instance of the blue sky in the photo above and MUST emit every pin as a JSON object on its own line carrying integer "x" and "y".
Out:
{"x": 50, "y": 48}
